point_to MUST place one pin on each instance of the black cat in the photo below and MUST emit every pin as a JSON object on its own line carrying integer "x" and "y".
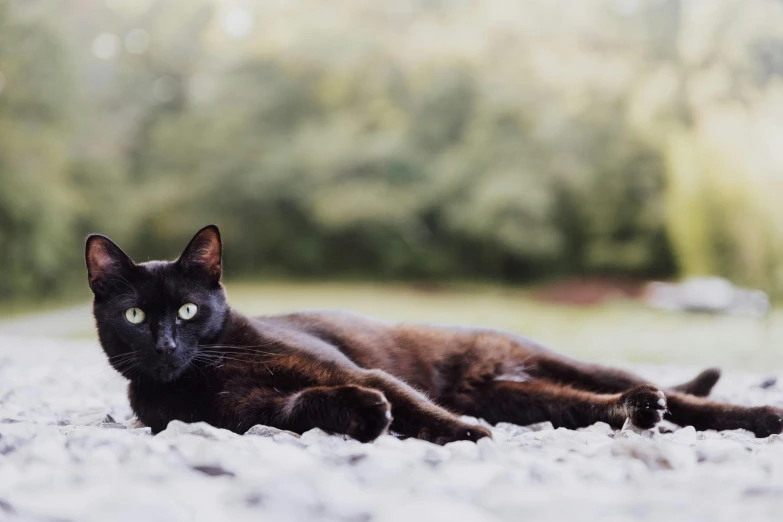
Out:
{"x": 166, "y": 326}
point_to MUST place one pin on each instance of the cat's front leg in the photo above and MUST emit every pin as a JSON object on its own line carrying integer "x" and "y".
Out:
{"x": 416, "y": 416}
{"x": 358, "y": 412}
{"x": 361, "y": 413}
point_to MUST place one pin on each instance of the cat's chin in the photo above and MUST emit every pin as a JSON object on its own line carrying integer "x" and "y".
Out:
{"x": 168, "y": 373}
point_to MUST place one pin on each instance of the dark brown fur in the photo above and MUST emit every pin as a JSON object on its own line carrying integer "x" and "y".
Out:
{"x": 346, "y": 374}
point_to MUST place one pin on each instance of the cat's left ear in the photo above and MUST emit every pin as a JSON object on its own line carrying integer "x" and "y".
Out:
{"x": 204, "y": 254}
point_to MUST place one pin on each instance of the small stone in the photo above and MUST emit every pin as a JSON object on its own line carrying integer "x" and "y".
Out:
{"x": 200, "y": 429}
{"x": 686, "y": 434}
{"x": 260, "y": 430}
{"x": 113, "y": 426}
{"x": 6, "y": 507}
{"x": 541, "y": 426}
{"x": 761, "y": 491}
{"x": 214, "y": 471}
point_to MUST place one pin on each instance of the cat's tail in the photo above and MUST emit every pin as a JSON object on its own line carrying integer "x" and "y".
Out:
{"x": 701, "y": 385}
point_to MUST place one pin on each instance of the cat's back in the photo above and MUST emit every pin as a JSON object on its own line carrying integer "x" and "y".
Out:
{"x": 352, "y": 331}
{"x": 407, "y": 351}
{"x": 418, "y": 353}
{"x": 346, "y": 329}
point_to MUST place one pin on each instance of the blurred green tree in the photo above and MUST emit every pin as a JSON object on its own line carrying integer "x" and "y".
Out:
{"x": 488, "y": 140}
{"x": 36, "y": 205}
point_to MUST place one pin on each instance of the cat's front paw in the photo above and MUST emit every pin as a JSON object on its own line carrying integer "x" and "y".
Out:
{"x": 454, "y": 432}
{"x": 644, "y": 406}
{"x": 766, "y": 421}
{"x": 367, "y": 412}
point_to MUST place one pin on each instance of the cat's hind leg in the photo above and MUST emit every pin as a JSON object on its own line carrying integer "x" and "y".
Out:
{"x": 687, "y": 410}
{"x": 645, "y": 405}
{"x": 416, "y": 416}
{"x": 602, "y": 379}
{"x": 530, "y": 402}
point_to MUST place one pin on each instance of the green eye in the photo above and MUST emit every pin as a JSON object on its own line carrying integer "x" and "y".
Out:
{"x": 187, "y": 311}
{"x": 134, "y": 315}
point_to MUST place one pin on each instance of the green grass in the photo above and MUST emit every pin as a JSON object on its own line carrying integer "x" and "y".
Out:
{"x": 621, "y": 332}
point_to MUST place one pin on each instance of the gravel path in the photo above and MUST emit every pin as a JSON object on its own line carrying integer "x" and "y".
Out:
{"x": 68, "y": 451}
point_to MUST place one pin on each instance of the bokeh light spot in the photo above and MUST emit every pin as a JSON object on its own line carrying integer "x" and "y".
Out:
{"x": 105, "y": 46}
{"x": 236, "y": 21}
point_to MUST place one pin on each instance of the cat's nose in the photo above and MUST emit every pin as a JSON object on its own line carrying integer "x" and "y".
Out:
{"x": 165, "y": 346}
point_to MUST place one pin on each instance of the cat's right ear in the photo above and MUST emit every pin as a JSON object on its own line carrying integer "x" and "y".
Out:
{"x": 204, "y": 254}
{"x": 106, "y": 262}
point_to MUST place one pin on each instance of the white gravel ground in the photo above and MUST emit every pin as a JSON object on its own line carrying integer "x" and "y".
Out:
{"x": 68, "y": 451}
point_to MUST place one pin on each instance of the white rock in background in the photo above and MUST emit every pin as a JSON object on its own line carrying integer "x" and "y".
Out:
{"x": 707, "y": 294}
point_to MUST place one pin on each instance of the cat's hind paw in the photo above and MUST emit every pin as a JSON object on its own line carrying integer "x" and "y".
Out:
{"x": 644, "y": 406}
{"x": 766, "y": 421}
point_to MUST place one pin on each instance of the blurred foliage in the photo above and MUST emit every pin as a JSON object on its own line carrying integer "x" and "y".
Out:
{"x": 479, "y": 139}
{"x": 35, "y": 208}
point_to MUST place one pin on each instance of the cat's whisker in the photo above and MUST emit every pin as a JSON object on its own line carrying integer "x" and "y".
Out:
{"x": 218, "y": 361}
{"x": 118, "y": 358}
{"x": 122, "y": 361}
{"x": 270, "y": 341}
{"x": 235, "y": 357}
{"x": 191, "y": 365}
{"x": 265, "y": 343}
{"x": 127, "y": 363}
{"x": 97, "y": 373}
{"x": 121, "y": 357}
{"x": 223, "y": 346}
{"x": 237, "y": 349}
{"x": 257, "y": 357}
{"x": 128, "y": 370}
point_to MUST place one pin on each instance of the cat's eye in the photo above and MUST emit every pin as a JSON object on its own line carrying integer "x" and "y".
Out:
{"x": 135, "y": 315}
{"x": 187, "y": 311}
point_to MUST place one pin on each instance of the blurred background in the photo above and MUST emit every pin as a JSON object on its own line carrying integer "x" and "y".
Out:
{"x": 514, "y": 164}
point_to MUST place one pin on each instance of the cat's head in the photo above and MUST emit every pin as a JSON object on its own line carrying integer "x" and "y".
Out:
{"x": 152, "y": 317}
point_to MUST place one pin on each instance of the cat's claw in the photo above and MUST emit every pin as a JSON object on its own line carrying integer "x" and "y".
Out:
{"x": 458, "y": 431}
